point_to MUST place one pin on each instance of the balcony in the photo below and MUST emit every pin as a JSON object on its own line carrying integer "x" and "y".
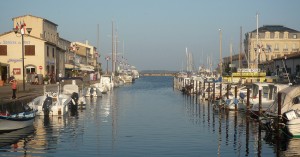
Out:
{"x": 276, "y": 49}
{"x": 295, "y": 50}
{"x": 285, "y": 50}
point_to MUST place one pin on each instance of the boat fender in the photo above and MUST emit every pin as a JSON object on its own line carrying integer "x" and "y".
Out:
{"x": 242, "y": 95}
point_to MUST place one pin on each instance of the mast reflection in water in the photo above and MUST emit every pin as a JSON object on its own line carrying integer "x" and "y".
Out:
{"x": 146, "y": 118}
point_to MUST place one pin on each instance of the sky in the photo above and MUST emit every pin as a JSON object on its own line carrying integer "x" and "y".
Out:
{"x": 154, "y": 34}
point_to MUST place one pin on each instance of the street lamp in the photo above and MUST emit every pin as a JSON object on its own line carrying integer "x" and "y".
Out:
{"x": 21, "y": 30}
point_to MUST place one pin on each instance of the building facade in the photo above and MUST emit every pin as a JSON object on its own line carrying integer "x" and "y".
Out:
{"x": 45, "y": 53}
{"x": 273, "y": 41}
{"x": 11, "y": 55}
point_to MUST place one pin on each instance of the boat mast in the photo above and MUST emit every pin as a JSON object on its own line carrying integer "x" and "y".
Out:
{"x": 241, "y": 38}
{"x": 231, "y": 59}
{"x": 221, "y": 68}
{"x": 98, "y": 66}
{"x": 113, "y": 49}
{"x": 187, "y": 60}
{"x": 257, "y": 45}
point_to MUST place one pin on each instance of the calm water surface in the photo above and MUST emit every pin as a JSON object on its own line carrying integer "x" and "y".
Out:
{"x": 147, "y": 118}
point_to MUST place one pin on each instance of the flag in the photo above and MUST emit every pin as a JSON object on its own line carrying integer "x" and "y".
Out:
{"x": 17, "y": 25}
{"x": 24, "y": 24}
{"x": 22, "y": 28}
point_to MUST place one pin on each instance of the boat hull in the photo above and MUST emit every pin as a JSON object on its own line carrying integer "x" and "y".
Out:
{"x": 16, "y": 121}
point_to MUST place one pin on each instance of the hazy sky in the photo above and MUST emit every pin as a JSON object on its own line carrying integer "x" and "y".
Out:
{"x": 157, "y": 32}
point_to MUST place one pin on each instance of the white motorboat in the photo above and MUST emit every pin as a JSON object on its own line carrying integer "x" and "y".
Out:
{"x": 290, "y": 109}
{"x": 106, "y": 84}
{"x": 74, "y": 92}
{"x": 51, "y": 103}
{"x": 269, "y": 90}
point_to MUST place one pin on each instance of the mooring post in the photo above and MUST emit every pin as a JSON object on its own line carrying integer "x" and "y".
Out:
{"x": 279, "y": 119}
{"x": 193, "y": 86}
{"x": 200, "y": 89}
{"x": 259, "y": 103}
{"x": 214, "y": 91}
{"x": 220, "y": 97}
{"x": 196, "y": 88}
{"x": 208, "y": 97}
{"x": 227, "y": 93}
{"x": 203, "y": 90}
{"x": 248, "y": 98}
{"x": 279, "y": 112}
{"x": 235, "y": 98}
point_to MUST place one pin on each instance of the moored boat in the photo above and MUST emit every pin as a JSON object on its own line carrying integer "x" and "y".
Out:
{"x": 12, "y": 118}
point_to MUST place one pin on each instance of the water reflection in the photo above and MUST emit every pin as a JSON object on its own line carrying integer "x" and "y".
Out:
{"x": 235, "y": 129}
{"x": 148, "y": 118}
{"x": 16, "y": 139}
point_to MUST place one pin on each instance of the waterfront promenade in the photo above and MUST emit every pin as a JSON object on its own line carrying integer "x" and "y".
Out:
{"x": 31, "y": 91}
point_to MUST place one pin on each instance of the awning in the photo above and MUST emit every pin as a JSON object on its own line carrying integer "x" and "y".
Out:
{"x": 70, "y": 66}
{"x": 86, "y": 67}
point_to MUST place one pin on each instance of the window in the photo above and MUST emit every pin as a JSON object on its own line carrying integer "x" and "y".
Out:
{"x": 285, "y": 35}
{"x": 267, "y": 35}
{"x": 29, "y": 50}
{"x": 276, "y": 47}
{"x": 276, "y": 35}
{"x": 53, "y": 52}
{"x": 285, "y": 47}
{"x": 3, "y": 50}
{"x": 47, "y": 51}
{"x": 295, "y": 36}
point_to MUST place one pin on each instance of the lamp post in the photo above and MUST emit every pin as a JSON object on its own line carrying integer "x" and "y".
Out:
{"x": 75, "y": 49}
{"x": 21, "y": 30}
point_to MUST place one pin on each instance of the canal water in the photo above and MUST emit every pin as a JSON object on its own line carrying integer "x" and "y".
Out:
{"x": 146, "y": 118}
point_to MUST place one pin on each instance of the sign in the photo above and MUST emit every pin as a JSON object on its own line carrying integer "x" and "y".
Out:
{"x": 40, "y": 67}
{"x": 249, "y": 74}
{"x": 16, "y": 71}
{"x": 248, "y": 70}
{"x": 14, "y": 60}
